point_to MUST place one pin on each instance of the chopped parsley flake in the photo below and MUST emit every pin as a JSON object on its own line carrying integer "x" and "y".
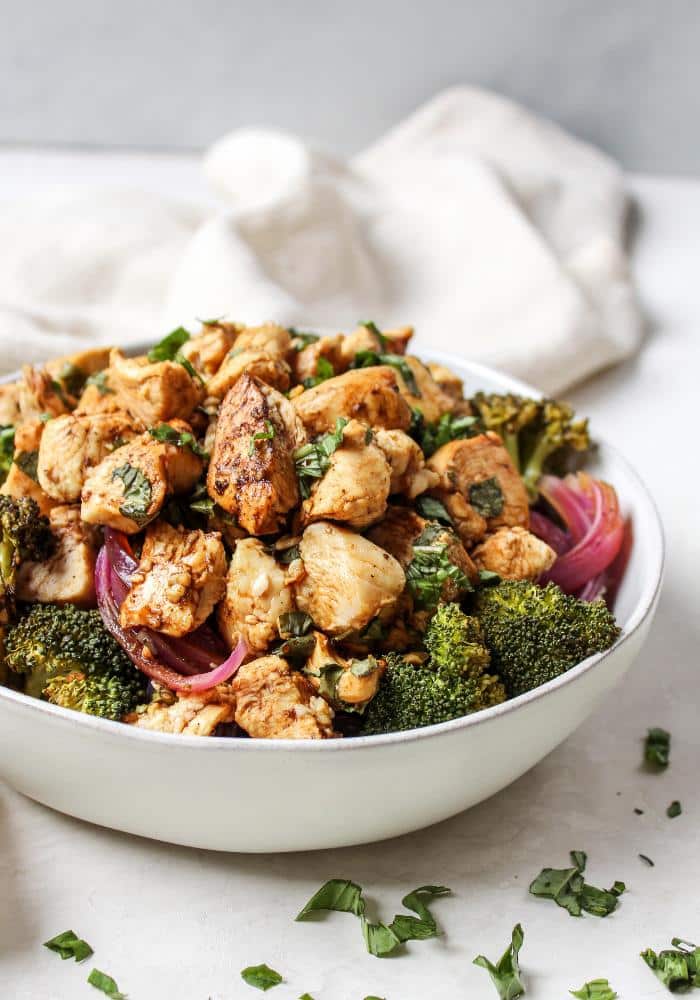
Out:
{"x": 267, "y": 435}
{"x": 568, "y": 889}
{"x": 101, "y": 981}
{"x": 312, "y": 460}
{"x": 69, "y": 945}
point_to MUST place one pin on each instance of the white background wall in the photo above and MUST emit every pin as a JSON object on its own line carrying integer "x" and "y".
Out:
{"x": 177, "y": 73}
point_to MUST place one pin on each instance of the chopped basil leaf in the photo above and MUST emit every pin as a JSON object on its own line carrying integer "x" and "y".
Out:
{"x": 168, "y": 348}
{"x": 313, "y": 460}
{"x": 376, "y": 332}
{"x": 101, "y": 981}
{"x": 374, "y": 998}
{"x": 287, "y": 556}
{"x": 657, "y": 748}
{"x": 306, "y": 996}
{"x": 302, "y": 339}
{"x": 433, "y": 509}
{"x": 203, "y": 505}
{"x": 675, "y": 809}
{"x": 339, "y": 895}
{"x": 568, "y": 889}
{"x": 181, "y": 439}
{"x": 677, "y": 969}
{"x": 262, "y": 977}
{"x": 28, "y": 462}
{"x": 211, "y": 322}
{"x": 72, "y": 378}
{"x": 99, "y": 380}
{"x": 324, "y": 371}
{"x": 597, "y": 989}
{"x": 137, "y": 493}
{"x": 189, "y": 367}
{"x": 488, "y": 576}
{"x": 297, "y": 648}
{"x": 267, "y": 435}
{"x": 369, "y": 359}
{"x": 431, "y": 567}
{"x": 294, "y": 623}
{"x": 505, "y": 975}
{"x": 69, "y": 945}
{"x": 486, "y": 497}
{"x": 647, "y": 860}
{"x": 448, "y": 428}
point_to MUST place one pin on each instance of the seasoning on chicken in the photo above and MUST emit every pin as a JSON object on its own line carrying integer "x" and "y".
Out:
{"x": 345, "y": 683}
{"x": 261, "y": 351}
{"x": 207, "y": 351}
{"x": 258, "y": 591}
{"x": 466, "y": 464}
{"x": 128, "y": 488}
{"x": 409, "y": 473}
{"x": 355, "y": 487}
{"x": 275, "y": 702}
{"x": 189, "y": 714}
{"x": 348, "y": 579}
{"x": 154, "y": 391}
{"x": 367, "y": 394}
{"x": 179, "y": 580}
{"x": 252, "y": 474}
{"x": 68, "y": 575}
{"x": 71, "y": 445}
{"x": 449, "y": 382}
{"x": 515, "y": 554}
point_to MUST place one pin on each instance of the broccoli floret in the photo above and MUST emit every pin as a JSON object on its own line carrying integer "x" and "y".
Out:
{"x": 537, "y": 633}
{"x": 411, "y": 696}
{"x": 455, "y": 642}
{"x": 540, "y": 435}
{"x": 57, "y": 648}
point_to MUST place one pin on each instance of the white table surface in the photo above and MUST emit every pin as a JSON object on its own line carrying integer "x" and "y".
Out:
{"x": 170, "y": 922}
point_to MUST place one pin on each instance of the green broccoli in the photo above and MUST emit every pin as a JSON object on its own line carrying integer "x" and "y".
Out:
{"x": 537, "y": 633}
{"x": 540, "y": 435}
{"x": 411, "y": 696}
{"x": 455, "y": 642}
{"x": 7, "y": 450}
{"x": 67, "y": 656}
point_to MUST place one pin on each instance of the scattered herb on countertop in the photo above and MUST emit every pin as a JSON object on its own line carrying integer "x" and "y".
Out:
{"x": 101, "y": 981}
{"x": 568, "y": 888}
{"x": 181, "y": 439}
{"x": 267, "y": 435}
{"x": 262, "y": 977}
{"x": 675, "y": 809}
{"x": 505, "y": 976}
{"x": 597, "y": 989}
{"x": 69, "y": 945}
{"x": 137, "y": 492}
{"x": 678, "y": 967}
{"x": 306, "y": 996}
{"x": 647, "y": 860}
{"x": 313, "y": 460}
{"x": 657, "y": 748}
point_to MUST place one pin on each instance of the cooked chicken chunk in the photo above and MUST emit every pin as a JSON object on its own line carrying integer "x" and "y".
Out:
{"x": 273, "y": 371}
{"x": 368, "y": 394}
{"x": 515, "y": 554}
{"x": 206, "y": 352}
{"x": 275, "y": 702}
{"x": 67, "y": 577}
{"x": 129, "y": 486}
{"x": 464, "y": 463}
{"x": 356, "y": 685}
{"x": 272, "y": 338}
{"x": 449, "y": 382}
{"x": 349, "y": 580}
{"x": 431, "y": 400}
{"x": 180, "y": 578}
{"x": 356, "y": 485}
{"x": 468, "y": 523}
{"x": 21, "y": 479}
{"x": 190, "y": 714}
{"x": 252, "y": 473}
{"x": 41, "y": 394}
{"x": 73, "y": 369}
{"x": 71, "y": 445}
{"x": 153, "y": 392}
{"x": 365, "y": 339}
{"x": 258, "y": 591}
{"x": 9, "y": 403}
{"x": 305, "y": 361}
{"x": 409, "y": 474}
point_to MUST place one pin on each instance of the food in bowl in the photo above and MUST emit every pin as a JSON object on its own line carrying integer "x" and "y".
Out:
{"x": 261, "y": 532}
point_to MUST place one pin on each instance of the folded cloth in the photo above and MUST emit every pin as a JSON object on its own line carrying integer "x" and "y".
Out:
{"x": 497, "y": 235}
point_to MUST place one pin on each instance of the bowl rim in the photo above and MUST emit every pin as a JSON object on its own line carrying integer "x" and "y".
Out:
{"x": 217, "y": 744}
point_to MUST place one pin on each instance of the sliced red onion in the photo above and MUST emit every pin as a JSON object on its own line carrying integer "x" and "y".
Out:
{"x": 119, "y": 553}
{"x": 549, "y": 532}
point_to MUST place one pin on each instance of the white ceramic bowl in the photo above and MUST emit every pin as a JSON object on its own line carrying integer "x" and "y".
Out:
{"x": 274, "y": 795}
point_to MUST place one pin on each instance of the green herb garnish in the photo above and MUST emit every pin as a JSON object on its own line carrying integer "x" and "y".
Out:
{"x": 288, "y": 555}
{"x": 431, "y": 567}
{"x": 262, "y": 977}
{"x": 28, "y": 462}
{"x": 369, "y": 359}
{"x": 137, "y": 493}
{"x": 677, "y": 969}
{"x": 376, "y": 332}
{"x": 486, "y": 497}
{"x": 675, "y": 809}
{"x": 313, "y": 460}
{"x": 101, "y": 981}
{"x": 597, "y": 989}
{"x": 69, "y": 945}
{"x": 568, "y": 889}
{"x": 267, "y": 435}
{"x": 448, "y": 428}
{"x": 324, "y": 371}
{"x": 181, "y": 439}
{"x": 294, "y": 623}
{"x": 168, "y": 348}
{"x": 72, "y": 378}
{"x": 7, "y": 450}
{"x": 99, "y": 380}
{"x": 657, "y": 748}
{"x": 505, "y": 975}
{"x": 433, "y": 510}
{"x": 302, "y": 339}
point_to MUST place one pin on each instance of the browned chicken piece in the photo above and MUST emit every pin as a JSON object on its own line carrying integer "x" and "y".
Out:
{"x": 207, "y": 351}
{"x": 361, "y": 339}
{"x": 98, "y": 397}
{"x": 67, "y": 576}
{"x": 153, "y": 392}
{"x": 305, "y": 361}
{"x": 449, "y": 382}
{"x": 348, "y": 579}
{"x": 72, "y": 369}
{"x": 515, "y": 554}
{"x": 9, "y": 403}
{"x": 355, "y": 487}
{"x": 275, "y": 702}
{"x": 356, "y": 685}
{"x": 180, "y": 578}
{"x": 258, "y": 591}
{"x": 271, "y": 338}
{"x": 398, "y": 339}
{"x": 22, "y": 478}
{"x": 273, "y": 371}
{"x": 129, "y": 486}
{"x": 431, "y": 400}
{"x": 461, "y": 464}
{"x": 370, "y": 395}
{"x": 190, "y": 714}
{"x": 468, "y": 523}
{"x": 252, "y": 473}
{"x": 409, "y": 474}
{"x": 71, "y": 445}
{"x": 41, "y": 394}
{"x": 402, "y": 527}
